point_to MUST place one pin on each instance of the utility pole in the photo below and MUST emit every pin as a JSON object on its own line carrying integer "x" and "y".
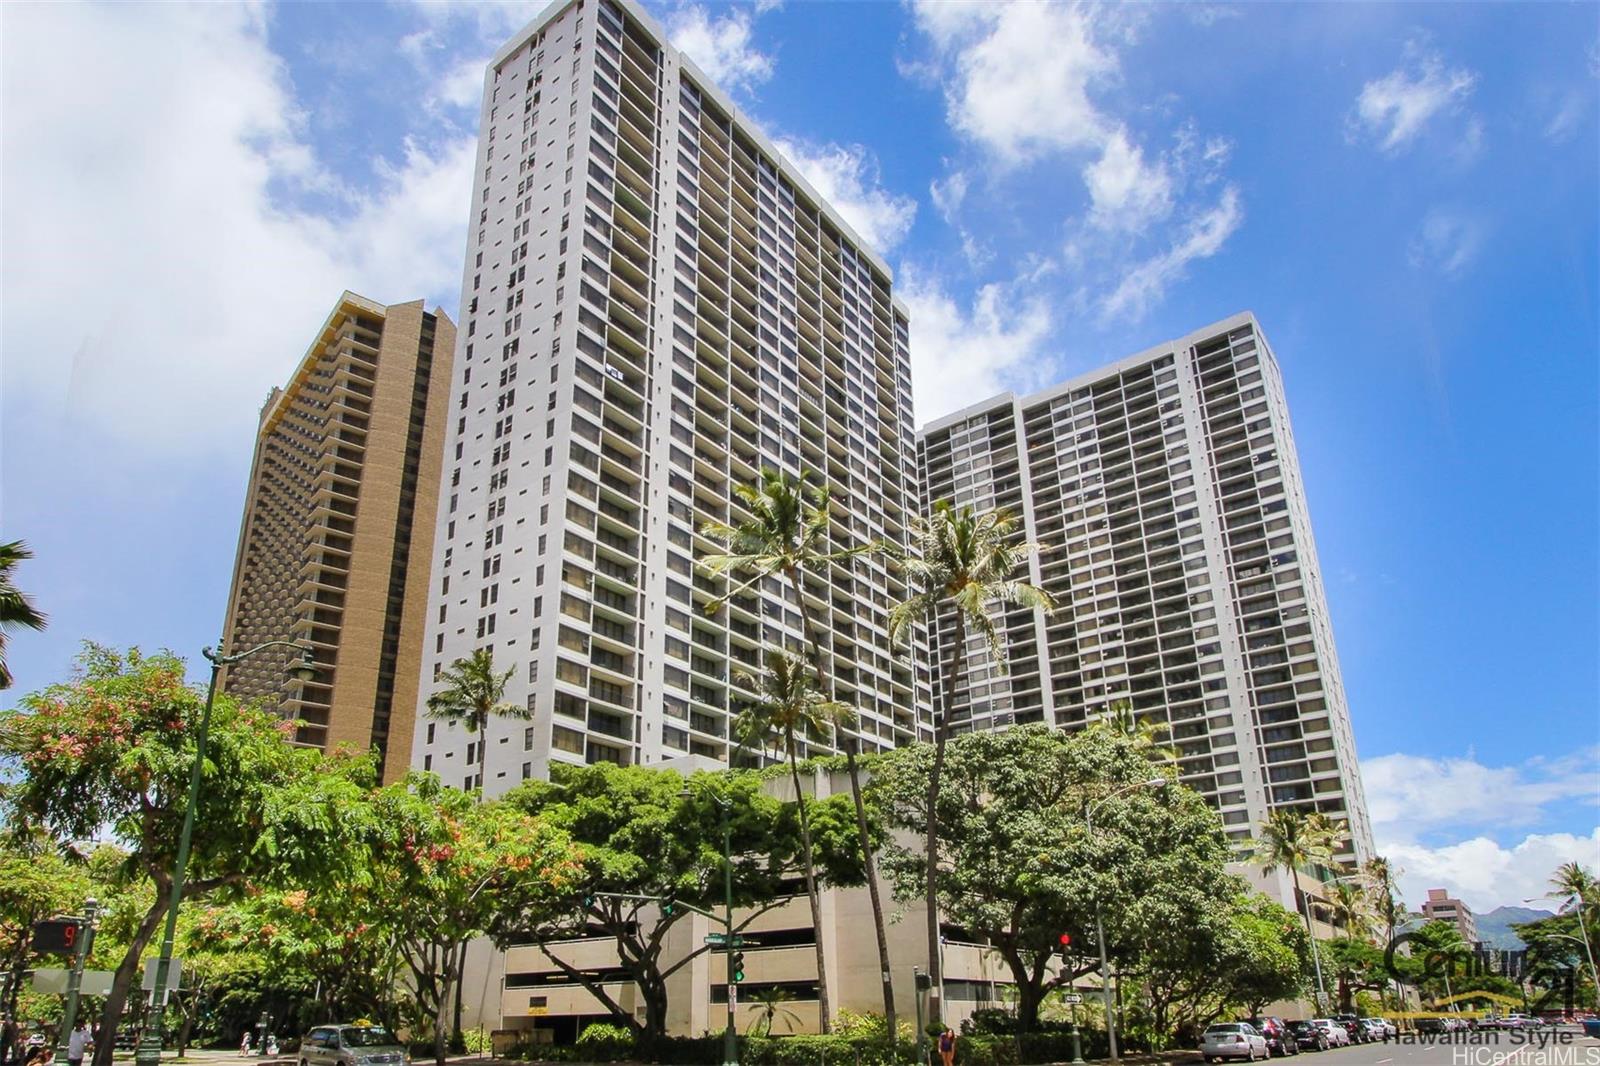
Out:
{"x": 730, "y": 1045}
{"x": 69, "y": 1018}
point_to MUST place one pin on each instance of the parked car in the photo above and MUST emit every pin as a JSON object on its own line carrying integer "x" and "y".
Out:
{"x": 1307, "y": 1036}
{"x": 1387, "y": 1029}
{"x": 1433, "y": 1026}
{"x": 1374, "y": 1028}
{"x": 1276, "y": 1032}
{"x": 352, "y": 1045}
{"x": 1352, "y": 1026}
{"x": 1337, "y": 1035}
{"x": 1233, "y": 1040}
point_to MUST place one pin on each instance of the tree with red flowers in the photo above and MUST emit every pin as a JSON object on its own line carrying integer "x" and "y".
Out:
{"x": 445, "y": 870}
{"x": 110, "y": 752}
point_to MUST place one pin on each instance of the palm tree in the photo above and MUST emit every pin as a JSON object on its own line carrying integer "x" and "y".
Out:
{"x": 1147, "y": 732}
{"x": 1386, "y": 903}
{"x": 771, "y": 1002}
{"x": 16, "y": 608}
{"x": 1351, "y": 907}
{"x": 786, "y": 537}
{"x": 790, "y": 704}
{"x": 962, "y": 562}
{"x": 1291, "y": 839}
{"x": 1578, "y": 888}
{"x": 474, "y": 693}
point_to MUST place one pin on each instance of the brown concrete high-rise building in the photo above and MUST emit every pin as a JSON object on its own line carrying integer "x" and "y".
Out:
{"x": 337, "y": 533}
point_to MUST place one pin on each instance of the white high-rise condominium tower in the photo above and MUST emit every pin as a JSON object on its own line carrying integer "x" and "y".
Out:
{"x": 1165, "y": 495}
{"x": 655, "y": 306}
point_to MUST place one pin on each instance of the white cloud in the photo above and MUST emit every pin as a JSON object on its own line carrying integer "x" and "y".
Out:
{"x": 1145, "y": 283}
{"x": 1394, "y": 109}
{"x": 1567, "y": 112}
{"x": 169, "y": 279}
{"x": 1126, "y": 193}
{"x": 721, "y": 45}
{"x": 1486, "y": 874}
{"x": 1446, "y": 241}
{"x": 847, "y": 177}
{"x": 1412, "y": 796}
{"x": 1021, "y": 83}
{"x": 949, "y": 193}
{"x": 1022, "y": 74}
{"x": 961, "y": 355}
{"x": 462, "y": 85}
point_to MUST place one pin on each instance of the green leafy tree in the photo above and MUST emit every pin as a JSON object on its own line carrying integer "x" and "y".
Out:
{"x": 644, "y": 835}
{"x": 36, "y": 882}
{"x": 788, "y": 705}
{"x": 110, "y": 752}
{"x": 1020, "y": 865}
{"x": 16, "y": 607}
{"x": 445, "y": 870}
{"x": 1556, "y": 949}
{"x": 962, "y": 563}
{"x": 1437, "y": 958}
{"x": 1267, "y": 955}
{"x": 472, "y": 693}
{"x": 1355, "y": 966}
{"x": 787, "y": 536}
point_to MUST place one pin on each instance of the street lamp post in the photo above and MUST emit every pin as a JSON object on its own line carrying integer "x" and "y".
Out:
{"x": 1583, "y": 931}
{"x": 730, "y": 1038}
{"x": 150, "y": 1044}
{"x": 1099, "y": 924}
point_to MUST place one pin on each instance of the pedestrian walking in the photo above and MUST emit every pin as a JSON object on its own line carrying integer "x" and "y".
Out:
{"x": 79, "y": 1041}
{"x": 947, "y": 1046}
{"x": 244, "y": 1044}
{"x": 40, "y": 1056}
{"x": 272, "y": 1045}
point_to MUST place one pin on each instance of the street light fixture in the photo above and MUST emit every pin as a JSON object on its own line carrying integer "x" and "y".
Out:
{"x": 1583, "y": 931}
{"x": 1099, "y": 925}
{"x": 154, "y": 1038}
{"x": 730, "y": 1040}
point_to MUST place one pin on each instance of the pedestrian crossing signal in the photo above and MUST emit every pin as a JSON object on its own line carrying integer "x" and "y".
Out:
{"x": 56, "y": 936}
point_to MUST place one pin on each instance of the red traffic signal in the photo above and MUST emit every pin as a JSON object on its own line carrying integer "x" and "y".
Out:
{"x": 1066, "y": 939}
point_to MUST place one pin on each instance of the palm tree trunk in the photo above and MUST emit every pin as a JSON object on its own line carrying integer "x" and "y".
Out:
{"x": 825, "y": 1016}
{"x": 1305, "y": 912}
{"x": 941, "y": 734}
{"x": 869, "y": 861}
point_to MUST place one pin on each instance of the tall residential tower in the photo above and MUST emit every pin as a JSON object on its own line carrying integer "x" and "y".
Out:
{"x": 656, "y": 305}
{"x": 1165, "y": 495}
{"x": 342, "y": 493}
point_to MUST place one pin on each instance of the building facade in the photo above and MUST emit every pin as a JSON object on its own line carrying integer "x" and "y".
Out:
{"x": 1440, "y": 906}
{"x": 656, "y": 306}
{"x": 343, "y": 488}
{"x": 1165, "y": 496}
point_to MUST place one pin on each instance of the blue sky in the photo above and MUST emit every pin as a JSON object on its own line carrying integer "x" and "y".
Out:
{"x": 1407, "y": 196}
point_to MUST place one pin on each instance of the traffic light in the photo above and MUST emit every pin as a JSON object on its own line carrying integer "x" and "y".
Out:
{"x": 1066, "y": 943}
{"x": 736, "y": 966}
{"x": 668, "y": 904}
{"x": 588, "y": 902}
{"x": 58, "y": 936}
